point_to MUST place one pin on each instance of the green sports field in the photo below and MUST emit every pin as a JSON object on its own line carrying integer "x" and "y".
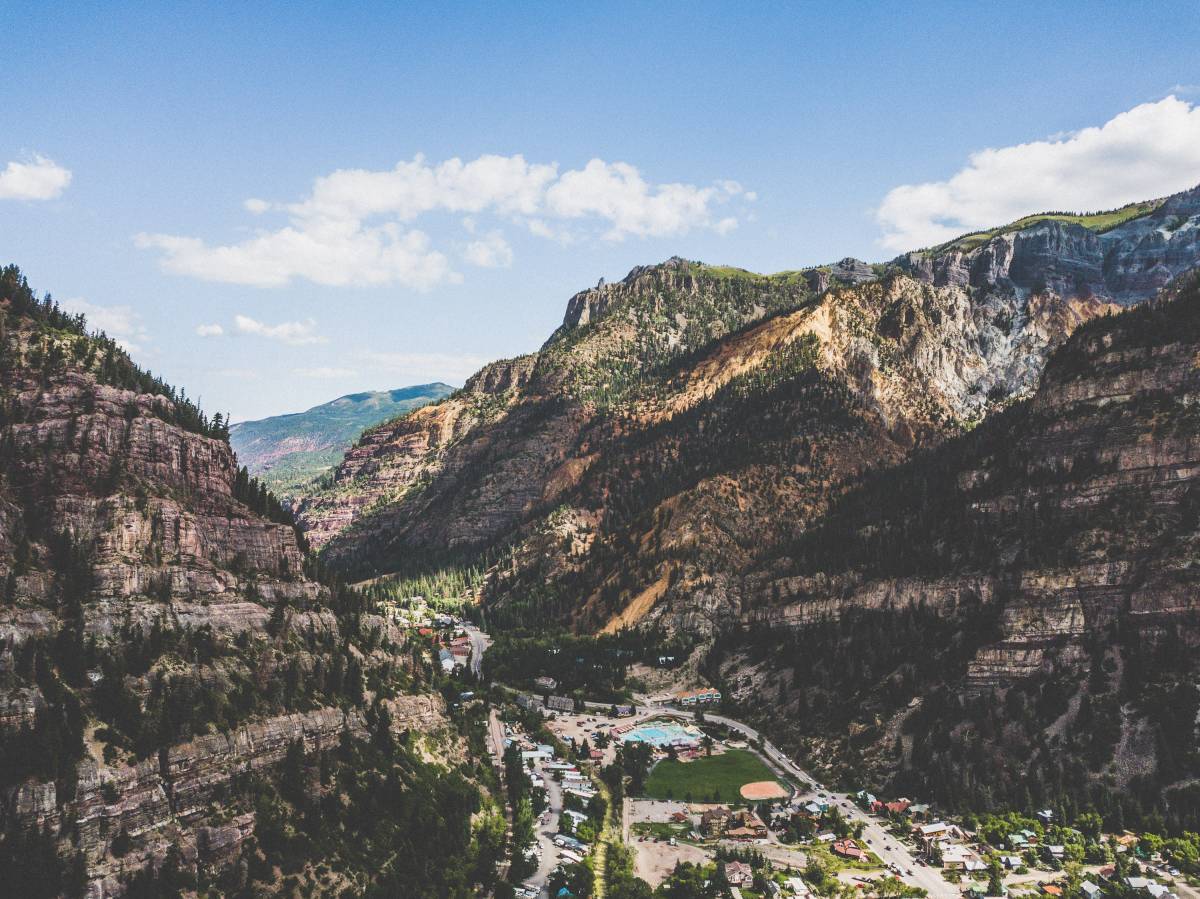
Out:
{"x": 717, "y": 778}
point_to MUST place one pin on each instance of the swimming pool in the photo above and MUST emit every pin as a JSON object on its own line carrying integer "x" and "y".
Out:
{"x": 662, "y": 733}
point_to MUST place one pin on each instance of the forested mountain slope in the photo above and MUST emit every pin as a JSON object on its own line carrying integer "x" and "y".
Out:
{"x": 1013, "y": 617}
{"x": 614, "y": 473}
{"x": 180, "y": 704}
{"x": 681, "y": 452}
{"x": 288, "y": 452}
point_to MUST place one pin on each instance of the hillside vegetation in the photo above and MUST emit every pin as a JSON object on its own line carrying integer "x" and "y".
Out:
{"x": 289, "y": 452}
{"x": 1099, "y": 222}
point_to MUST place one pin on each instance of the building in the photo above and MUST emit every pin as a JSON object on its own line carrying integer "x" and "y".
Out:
{"x": 798, "y": 887}
{"x": 698, "y": 697}
{"x": 562, "y": 841}
{"x": 624, "y": 711}
{"x": 1146, "y": 885}
{"x": 560, "y": 703}
{"x": 956, "y": 857}
{"x": 738, "y": 874}
{"x": 714, "y": 821}
{"x": 745, "y": 825}
{"x": 1091, "y": 890}
{"x": 545, "y": 683}
{"x": 446, "y": 659}
{"x": 849, "y": 849}
{"x": 531, "y": 702}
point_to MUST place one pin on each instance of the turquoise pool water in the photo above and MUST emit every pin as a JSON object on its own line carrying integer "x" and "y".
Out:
{"x": 659, "y": 733}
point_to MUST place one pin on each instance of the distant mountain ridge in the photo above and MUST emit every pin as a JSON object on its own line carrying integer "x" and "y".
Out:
{"x": 288, "y": 451}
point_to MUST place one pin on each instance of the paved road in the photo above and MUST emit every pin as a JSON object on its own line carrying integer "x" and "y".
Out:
{"x": 479, "y": 644}
{"x": 546, "y": 832}
{"x": 495, "y": 738}
{"x": 882, "y": 843}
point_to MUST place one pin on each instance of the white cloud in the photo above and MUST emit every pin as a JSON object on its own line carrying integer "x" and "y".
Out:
{"x": 41, "y": 179}
{"x": 121, "y": 323}
{"x": 492, "y": 251}
{"x": 451, "y": 367}
{"x": 213, "y": 330}
{"x": 332, "y": 253}
{"x": 1149, "y": 151}
{"x": 617, "y": 193}
{"x": 325, "y": 373}
{"x": 291, "y": 333}
{"x": 356, "y": 226}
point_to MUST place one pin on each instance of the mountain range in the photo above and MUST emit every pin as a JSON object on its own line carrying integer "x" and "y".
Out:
{"x": 288, "y": 451}
{"x": 1001, "y": 497}
{"x": 933, "y": 524}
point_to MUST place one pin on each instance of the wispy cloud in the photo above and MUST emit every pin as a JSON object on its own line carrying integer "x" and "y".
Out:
{"x": 122, "y": 323}
{"x": 490, "y": 251}
{"x": 38, "y": 179}
{"x": 356, "y": 226}
{"x": 298, "y": 333}
{"x": 1149, "y": 151}
{"x": 292, "y": 333}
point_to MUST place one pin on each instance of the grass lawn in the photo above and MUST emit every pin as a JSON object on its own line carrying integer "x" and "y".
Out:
{"x": 717, "y": 778}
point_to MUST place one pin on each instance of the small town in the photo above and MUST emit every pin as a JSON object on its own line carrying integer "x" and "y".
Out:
{"x": 624, "y": 450}
{"x": 687, "y": 794}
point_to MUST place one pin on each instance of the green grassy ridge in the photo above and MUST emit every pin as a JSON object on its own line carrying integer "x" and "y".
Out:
{"x": 1099, "y": 222}
{"x": 332, "y": 427}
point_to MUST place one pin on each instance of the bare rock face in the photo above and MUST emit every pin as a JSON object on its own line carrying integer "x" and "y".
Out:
{"x": 931, "y": 344}
{"x": 1057, "y": 545}
{"x": 1124, "y": 265}
{"x": 146, "y": 504}
{"x": 171, "y": 800}
{"x": 154, "y": 627}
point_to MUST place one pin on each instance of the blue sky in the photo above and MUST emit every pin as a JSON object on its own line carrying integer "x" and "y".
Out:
{"x": 795, "y": 134}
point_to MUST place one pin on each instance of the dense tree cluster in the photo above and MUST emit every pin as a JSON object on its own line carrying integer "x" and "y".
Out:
{"x": 63, "y": 339}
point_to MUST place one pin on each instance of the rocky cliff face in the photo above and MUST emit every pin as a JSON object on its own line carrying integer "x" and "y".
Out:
{"x": 1125, "y": 264}
{"x": 288, "y": 452}
{"x": 1056, "y": 548}
{"x": 926, "y": 345}
{"x": 669, "y": 456}
{"x": 179, "y": 800}
{"x": 160, "y": 642}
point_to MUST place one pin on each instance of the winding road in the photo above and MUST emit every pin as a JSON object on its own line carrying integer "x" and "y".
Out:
{"x": 878, "y": 838}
